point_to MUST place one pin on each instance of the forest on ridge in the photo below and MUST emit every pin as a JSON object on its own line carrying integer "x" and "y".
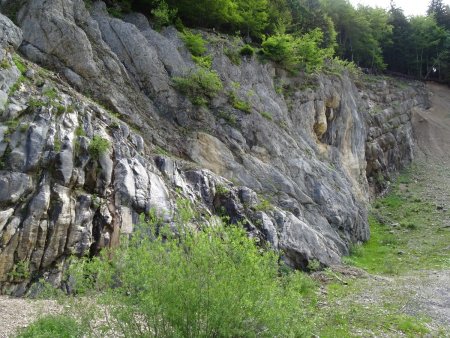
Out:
{"x": 375, "y": 39}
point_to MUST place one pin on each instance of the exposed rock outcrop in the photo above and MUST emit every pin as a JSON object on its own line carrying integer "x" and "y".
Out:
{"x": 296, "y": 154}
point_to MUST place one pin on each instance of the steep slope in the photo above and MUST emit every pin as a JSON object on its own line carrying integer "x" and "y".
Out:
{"x": 301, "y": 143}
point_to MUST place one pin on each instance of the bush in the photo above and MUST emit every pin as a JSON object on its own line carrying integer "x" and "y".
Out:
{"x": 297, "y": 53}
{"x": 53, "y": 326}
{"x": 98, "y": 146}
{"x": 195, "y": 43}
{"x": 199, "y": 85}
{"x": 239, "y": 104}
{"x": 211, "y": 283}
{"x": 203, "y": 61}
{"x": 338, "y": 66}
{"x": 247, "y": 50}
{"x": 281, "y": 49}
{"x": 162, "y": 15}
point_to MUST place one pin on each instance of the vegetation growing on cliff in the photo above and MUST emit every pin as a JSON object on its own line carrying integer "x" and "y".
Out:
{"x": 373, "y": 38}
{"x": 215, "y": 282}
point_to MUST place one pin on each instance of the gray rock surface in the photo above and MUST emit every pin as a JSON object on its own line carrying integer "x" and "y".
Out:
{"x": 10, "y": 34}
{"x": 297, "y": 180}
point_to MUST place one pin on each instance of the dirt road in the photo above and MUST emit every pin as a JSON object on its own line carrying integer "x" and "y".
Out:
{"x": 432, "y": 132}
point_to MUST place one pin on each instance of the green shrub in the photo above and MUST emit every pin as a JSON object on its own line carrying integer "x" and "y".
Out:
{"x": 20, "y": 271}
{"x": 281, "y": 49}
{"x": 228, "y": 117}
{"x": 98, "y": 146}
{"x": 52, "y": 326}
{"x": 297, "y": 53}
{"x": 36, "y": 103}
{"x": 199, "y": 85}
{"x": 233, "y": 55}
{"x": 57, "y": 145}
{"x": 203, "y": 61}
{"x": 80, "y": 131}
{"x": 263, "y": 205}
{"x": 239, "y": 104}
{"x": 195, "y": 43}
{"x": 211, "y": 283}
{"x": 222, "y": 190}
{"x": 338, "y": 66}
{"x": 163, "y": 15}
{"x": 4, "y": 64}
{"x": 267, "y": 115}
{"x": 51, "y": 93}
{"x": 247, "y": 50}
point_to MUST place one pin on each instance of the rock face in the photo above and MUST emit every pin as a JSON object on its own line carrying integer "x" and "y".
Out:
{"x": 390, "y": 139}
{"x": 288, "y": 157}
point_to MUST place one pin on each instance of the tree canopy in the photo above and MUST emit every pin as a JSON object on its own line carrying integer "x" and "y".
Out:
{"x": 373, "y": 38}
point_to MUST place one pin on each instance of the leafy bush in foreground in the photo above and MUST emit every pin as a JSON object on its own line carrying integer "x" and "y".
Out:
{"x": 53, "y": 326}
{"x": 210, "y": 283}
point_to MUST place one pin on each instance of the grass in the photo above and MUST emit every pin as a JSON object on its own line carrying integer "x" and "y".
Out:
{"x": 98, "y": 146}
{"x": 239, "y": 104}
{"x": 19, "y": 64}
{"x": 347, "y": 316}
{"x": 267, "y": 115}
{"x": 405, "y": 235}
{"x": 15, "y": 87}
{"x": 53, "y": 326}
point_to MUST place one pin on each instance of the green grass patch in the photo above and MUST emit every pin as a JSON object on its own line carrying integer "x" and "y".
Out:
{"x": 267, "y": 115}
{"x": 53, "y": 326}
{"x": 406, "y": 232}
{"x": 349, "y": 315}
{"x": 19, "y": 64}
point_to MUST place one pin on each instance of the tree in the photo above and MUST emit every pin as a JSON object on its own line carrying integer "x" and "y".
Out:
{"x": 360, "y": 32}
{"x": 397, "y": 53}
{"x": 426, "y": 39}
{"x": 440, "y": 12}
{"x": 253, "y": 16}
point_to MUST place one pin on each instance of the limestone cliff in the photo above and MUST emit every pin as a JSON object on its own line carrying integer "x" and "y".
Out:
{"x": 309, "y": 146}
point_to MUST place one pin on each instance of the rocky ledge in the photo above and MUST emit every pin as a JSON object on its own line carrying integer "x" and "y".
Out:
{"x": 100, "y": 135}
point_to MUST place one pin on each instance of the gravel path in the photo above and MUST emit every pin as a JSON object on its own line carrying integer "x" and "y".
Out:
{"x": 16, "y": 313}
{"x": 432, "y": 131}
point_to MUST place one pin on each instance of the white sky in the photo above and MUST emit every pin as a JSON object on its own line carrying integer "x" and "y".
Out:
{"x": 410, "y": 7}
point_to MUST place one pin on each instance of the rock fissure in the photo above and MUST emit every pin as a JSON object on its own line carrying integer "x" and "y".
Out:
{"x": 300, "y": 180}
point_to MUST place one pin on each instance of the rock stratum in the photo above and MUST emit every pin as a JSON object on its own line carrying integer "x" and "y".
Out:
{"x": 296, "y": 167}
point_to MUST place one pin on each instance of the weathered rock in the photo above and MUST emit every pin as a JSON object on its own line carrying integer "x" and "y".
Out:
{"x": 297, "y": 181}
{"x": 14, "y": 186}
{"x": 10, "y": 34}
